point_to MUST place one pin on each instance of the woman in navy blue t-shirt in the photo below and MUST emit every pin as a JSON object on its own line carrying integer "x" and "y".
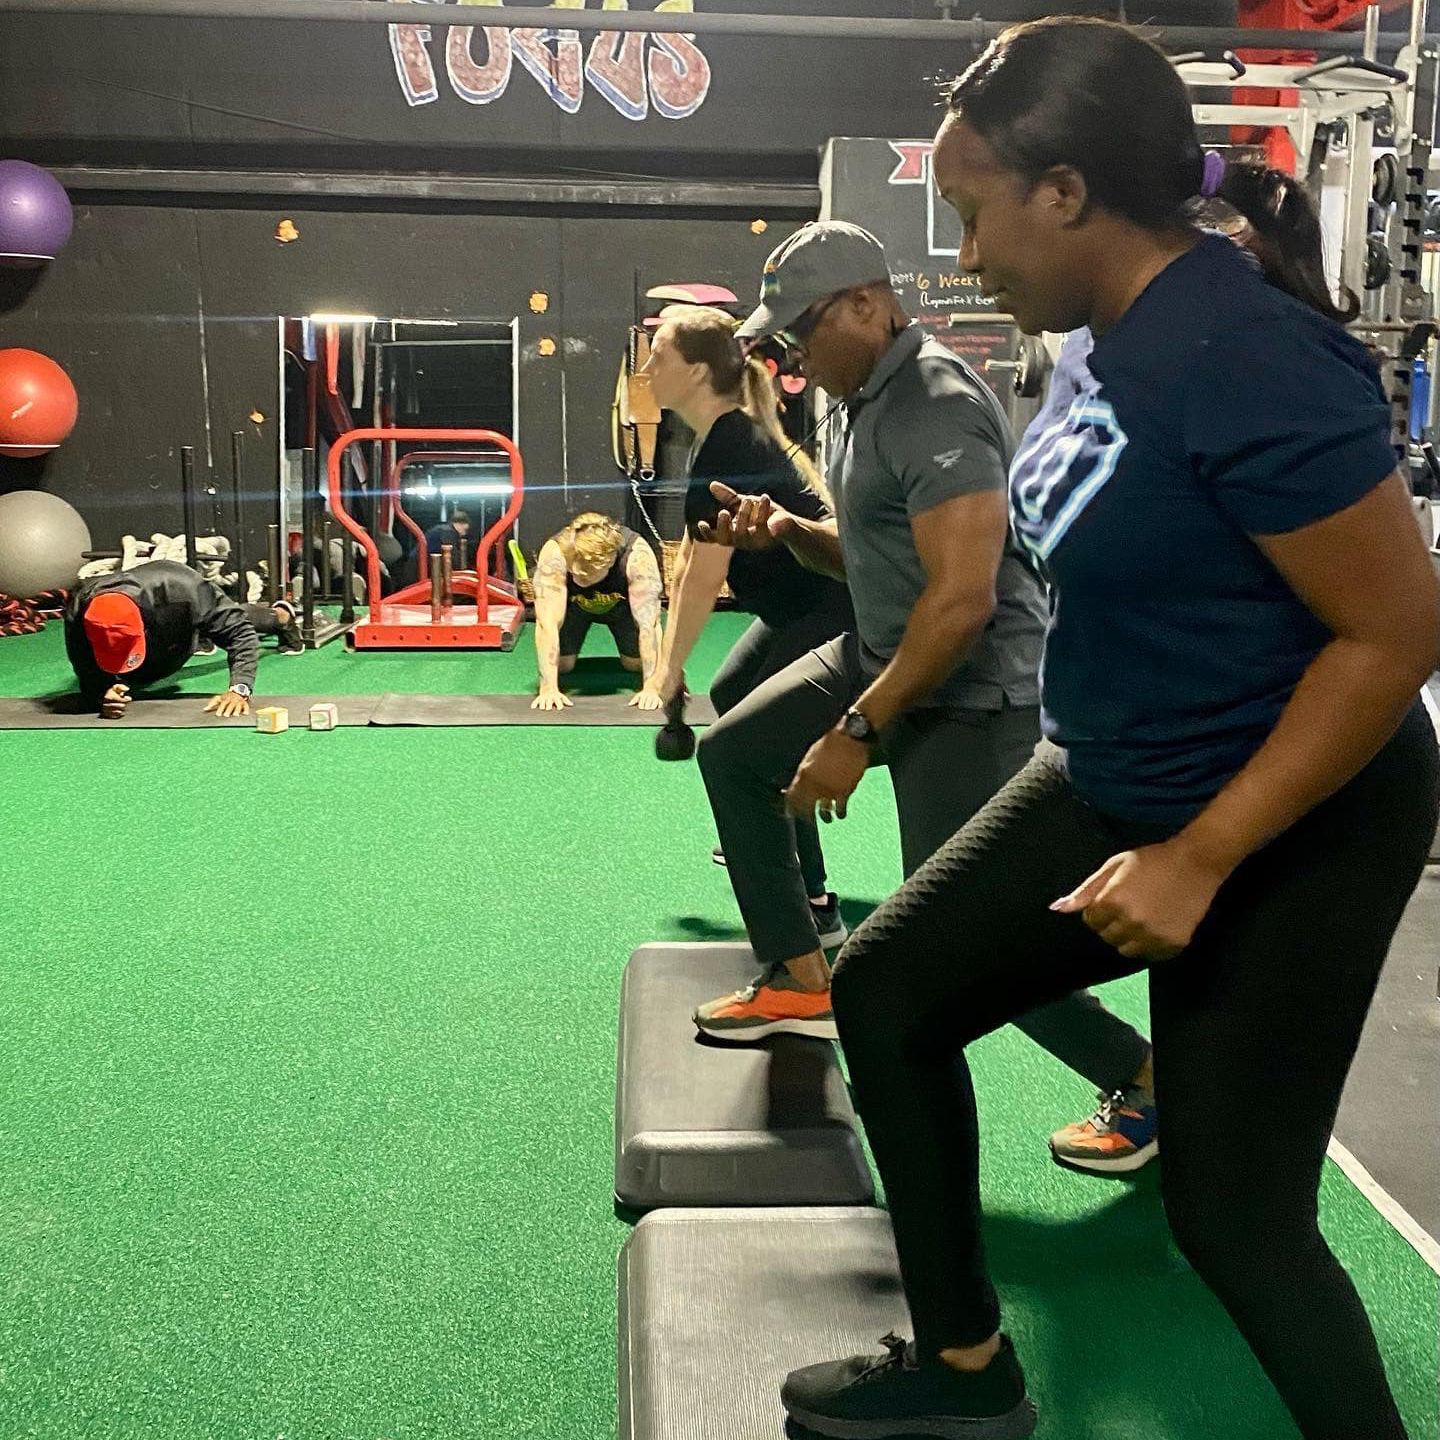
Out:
{"x": 1241, "y": 785}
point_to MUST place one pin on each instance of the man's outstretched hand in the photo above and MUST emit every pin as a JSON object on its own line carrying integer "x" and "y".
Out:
{"x": 228, "y": 705}
{"x": 551, "y": 697}
{"x": 746, "y": 522}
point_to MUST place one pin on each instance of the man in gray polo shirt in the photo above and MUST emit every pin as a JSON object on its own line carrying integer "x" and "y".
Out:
{"x": 941, "y": 672}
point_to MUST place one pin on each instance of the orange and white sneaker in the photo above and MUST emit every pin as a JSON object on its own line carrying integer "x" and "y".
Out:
{"x": 772, "y": 1004}
{"x": 1120, "y": 1137}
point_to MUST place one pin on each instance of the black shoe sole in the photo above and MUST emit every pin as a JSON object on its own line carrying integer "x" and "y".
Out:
{"x": 1018, "y": 1424}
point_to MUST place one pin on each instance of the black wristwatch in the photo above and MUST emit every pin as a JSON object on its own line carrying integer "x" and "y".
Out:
{"x": 856, "y": 726}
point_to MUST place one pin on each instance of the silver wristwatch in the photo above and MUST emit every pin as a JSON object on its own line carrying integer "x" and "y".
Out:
{"x": 856, "y": 725}
{"x": 243, "y": 690}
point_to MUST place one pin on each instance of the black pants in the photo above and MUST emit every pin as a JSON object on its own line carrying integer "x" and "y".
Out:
{"x": 620, "y": 622}
{"x": 762, "y": 651}
{"x": 945, "y": 763}
{"x": 1268, "y": 1000}
{"x": 264, "y": 620}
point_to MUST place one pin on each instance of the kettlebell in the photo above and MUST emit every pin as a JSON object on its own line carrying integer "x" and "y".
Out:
{"x": 675, "y": 740}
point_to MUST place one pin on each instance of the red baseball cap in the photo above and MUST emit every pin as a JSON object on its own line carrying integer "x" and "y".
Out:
{"x": 116, "y": 632}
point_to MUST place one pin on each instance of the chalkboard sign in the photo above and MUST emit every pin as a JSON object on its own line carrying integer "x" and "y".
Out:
{"x": 886, "y": 186}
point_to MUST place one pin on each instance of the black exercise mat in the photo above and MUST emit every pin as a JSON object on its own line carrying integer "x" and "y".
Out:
{"x": 179, "y": 712}
{"x": 515, "y": 710}
{"x": 187, "y": 712}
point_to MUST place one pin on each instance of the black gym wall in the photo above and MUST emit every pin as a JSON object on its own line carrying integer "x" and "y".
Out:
{"x": 186, "y": 142}
{"x": 165, "y": 318}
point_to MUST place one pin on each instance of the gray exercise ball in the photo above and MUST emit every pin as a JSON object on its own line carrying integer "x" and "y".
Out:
{"x": 390, "y": 551}
{"x": 41, "y": 540}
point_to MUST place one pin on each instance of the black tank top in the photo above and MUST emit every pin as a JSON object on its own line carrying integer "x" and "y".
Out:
{"x": 612, "y": 589}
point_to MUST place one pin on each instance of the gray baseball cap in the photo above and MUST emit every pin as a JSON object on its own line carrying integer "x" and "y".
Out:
{"x": 819, "y": 260}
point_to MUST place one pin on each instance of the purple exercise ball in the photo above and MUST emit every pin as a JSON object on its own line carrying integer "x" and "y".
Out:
{"x": 35, "y": 214}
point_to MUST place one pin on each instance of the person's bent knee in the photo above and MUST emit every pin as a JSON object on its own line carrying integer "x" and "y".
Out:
{"x": 720, "y": 747}
{"x": 725, "y": 696}
{"x": 859, "y": 982}
{"x": 566, "y": 664}
{"x": 881, "y": 996}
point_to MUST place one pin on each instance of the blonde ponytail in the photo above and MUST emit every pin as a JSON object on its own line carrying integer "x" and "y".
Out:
{"x": 759, "y": 403}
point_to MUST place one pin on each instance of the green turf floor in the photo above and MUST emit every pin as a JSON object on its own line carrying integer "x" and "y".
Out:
{"x": 306, "y": 1086}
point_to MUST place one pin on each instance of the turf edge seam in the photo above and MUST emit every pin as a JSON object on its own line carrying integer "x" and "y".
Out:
{"x": 1409, "y": 1228}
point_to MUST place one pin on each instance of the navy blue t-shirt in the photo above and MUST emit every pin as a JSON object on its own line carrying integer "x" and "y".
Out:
{"x": 1216, "y": 409}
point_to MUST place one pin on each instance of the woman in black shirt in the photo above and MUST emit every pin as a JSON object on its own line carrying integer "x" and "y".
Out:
{"x": 698, "y": 370}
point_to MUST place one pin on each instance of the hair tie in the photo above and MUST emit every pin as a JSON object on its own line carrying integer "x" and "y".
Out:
{"x": 1214, "y": 174}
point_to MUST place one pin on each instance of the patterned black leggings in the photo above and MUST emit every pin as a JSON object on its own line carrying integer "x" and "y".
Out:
{"x": 1269, "y": 999}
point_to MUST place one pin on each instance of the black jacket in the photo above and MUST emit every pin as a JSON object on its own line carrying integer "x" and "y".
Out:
{"x": 179, "y": 610}
{"x": 438, "y": 535}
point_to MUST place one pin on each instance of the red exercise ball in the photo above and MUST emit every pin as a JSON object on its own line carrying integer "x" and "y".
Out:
{"x": 38, "y": 404}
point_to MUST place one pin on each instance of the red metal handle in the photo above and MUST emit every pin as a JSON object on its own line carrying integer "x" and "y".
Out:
{"x": 397, "y": 505}
{"x": 372, "y": 551}
{"x": 422, "y": 545}
{"x": 491, "y": 539}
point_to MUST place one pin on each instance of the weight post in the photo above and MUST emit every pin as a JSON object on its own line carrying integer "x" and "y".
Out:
{"x": 309, "y": 516}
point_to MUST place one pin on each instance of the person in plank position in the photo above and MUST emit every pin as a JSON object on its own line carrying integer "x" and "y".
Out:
{"x": 128, "y": 630}
{"x": 596, "y": 571}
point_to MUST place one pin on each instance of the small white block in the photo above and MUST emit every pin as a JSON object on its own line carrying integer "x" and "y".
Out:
{"x": 272, "y": 719}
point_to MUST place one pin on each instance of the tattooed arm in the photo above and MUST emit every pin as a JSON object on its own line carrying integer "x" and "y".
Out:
{"x": 643, "y": 573}
{"x": 549, "y": 616}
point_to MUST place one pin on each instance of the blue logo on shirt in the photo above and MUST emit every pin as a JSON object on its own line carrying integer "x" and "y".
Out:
{"x": 1062, "y": 463}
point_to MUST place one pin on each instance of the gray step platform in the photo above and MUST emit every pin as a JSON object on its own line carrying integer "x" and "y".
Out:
{"x": 703, "y": 1123}
{"x": 718, "y": 1306}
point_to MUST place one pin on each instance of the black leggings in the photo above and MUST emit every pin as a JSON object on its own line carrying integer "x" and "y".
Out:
{"x": 1268, "y": 1000}
{"x": 765, "y": 649}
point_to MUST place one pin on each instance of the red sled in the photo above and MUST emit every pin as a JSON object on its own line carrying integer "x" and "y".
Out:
{"x": 407, "y": 620}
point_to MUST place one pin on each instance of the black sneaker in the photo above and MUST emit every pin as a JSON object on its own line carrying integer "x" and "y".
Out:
{"x": 829, "y": 924}
{"x": 288, "y": 641}
{"x": 885, "y": 1397}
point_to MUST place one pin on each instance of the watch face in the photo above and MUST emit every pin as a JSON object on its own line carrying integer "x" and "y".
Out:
{"x": 857, "y": 727}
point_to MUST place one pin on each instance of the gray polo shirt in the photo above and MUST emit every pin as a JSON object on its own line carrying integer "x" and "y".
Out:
{"x": 922, "y": 430}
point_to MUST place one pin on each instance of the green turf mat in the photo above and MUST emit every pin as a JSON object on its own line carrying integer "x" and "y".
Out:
{"x": 307, "y": 1087}
{"x": 36, "y": 665}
